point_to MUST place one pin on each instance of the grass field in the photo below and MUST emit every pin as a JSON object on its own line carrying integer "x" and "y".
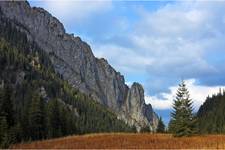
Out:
{"x": 126, "y": 140}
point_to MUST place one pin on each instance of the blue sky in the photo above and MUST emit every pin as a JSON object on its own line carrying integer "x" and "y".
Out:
{"x": 155, "y": 43}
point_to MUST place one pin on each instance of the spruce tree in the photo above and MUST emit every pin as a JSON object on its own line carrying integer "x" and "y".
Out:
{"x": 37, "y": 118}
{"x": 182, "y": 121}
{"x": 161, "y": 126}
{"x": 7, "y": 106}
{"x": 3, "y": 132}
{"x": 54, "y": 121}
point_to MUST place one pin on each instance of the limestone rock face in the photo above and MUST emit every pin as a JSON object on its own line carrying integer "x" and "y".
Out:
{"x": 136, "y": 111}
{"x": 74, "y": 60}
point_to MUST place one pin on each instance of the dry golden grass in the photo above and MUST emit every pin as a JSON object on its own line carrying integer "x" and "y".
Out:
{"x": 128, "y": 141}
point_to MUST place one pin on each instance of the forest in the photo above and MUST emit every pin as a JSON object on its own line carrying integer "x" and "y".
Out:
{"x": 211, "y": 115}
{"x": 36, "y": 103}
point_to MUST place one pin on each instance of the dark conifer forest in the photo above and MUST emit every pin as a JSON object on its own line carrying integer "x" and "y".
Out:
{"x": 211, "y": 115}
{"x": 36, "y": 103}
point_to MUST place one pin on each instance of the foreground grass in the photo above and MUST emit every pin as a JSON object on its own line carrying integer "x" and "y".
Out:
{"x": 126, "y": 140}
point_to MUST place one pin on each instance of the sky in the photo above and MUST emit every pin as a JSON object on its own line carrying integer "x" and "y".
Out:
{"x": 155, "y": 43}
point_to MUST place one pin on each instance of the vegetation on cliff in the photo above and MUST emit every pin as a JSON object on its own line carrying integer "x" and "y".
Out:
{"x": 36, "y": 103}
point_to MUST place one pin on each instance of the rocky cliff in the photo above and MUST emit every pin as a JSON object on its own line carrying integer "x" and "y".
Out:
{"x": 74, "y": 60}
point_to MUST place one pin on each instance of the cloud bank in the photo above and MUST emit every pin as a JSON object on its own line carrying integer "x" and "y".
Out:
{"x": 178, "y": 40}
{"x": 156, "y": 45}
{"x": 75, "y": 12}
{"x": 198, "y": 94}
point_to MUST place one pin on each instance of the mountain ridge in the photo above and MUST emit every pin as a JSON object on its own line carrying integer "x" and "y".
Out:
{"x": 36, "y": 103}
{"x": 74, "y": 60}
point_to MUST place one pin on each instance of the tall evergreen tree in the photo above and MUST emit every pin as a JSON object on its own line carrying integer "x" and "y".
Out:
{"x": 54, "y": 122}
{"x": 161, "y": 126}
{"x": 182, "y": 121}
{"x": 37, "y": 117}
{"x": 3, "y": 132}
{"x": 7, "y": 106}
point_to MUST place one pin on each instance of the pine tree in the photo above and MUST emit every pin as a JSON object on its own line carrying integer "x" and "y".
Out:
{"x": 161, "y": 126}
{"x": 7, "y": 106}
{"x": 54, "y": 122}
{"x": 3, "y": 132}
{"x": 1, "y": 96}
{"x": 182, "y": 121}
{"x": 37, "y": 118}
{"x": 3, "y": 127}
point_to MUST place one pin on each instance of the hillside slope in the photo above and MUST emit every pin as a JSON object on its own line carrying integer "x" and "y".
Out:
{"x": 35, "y": 102}
{"x": 211, "y": 114}
{"x": 74, "y": 61}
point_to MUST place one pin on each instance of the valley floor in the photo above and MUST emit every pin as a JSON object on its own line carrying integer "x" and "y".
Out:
{"x": 129, "y": 140}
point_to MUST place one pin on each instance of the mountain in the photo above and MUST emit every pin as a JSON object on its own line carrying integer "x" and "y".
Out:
{"x": 211, "y": 114}
{"x": 74, "y": 61}
{"x": 35, "y": 102}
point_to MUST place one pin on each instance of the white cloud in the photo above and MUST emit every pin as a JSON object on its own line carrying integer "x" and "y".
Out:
{"x": 178, "y": 31}
{"x": 177, "y": 40}
{"x": 158, "y": 104}
{"x": 123, "y": 59}
{"x": 129, "y": 84}
{"x": 177, "y": 36}
{"x": 198, "y": 95}
{"x": 76, "y": 11}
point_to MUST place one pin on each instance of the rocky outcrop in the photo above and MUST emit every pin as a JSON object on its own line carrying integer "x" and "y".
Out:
{"x": 136, "y": 110}
{"x": 74, "y": 60}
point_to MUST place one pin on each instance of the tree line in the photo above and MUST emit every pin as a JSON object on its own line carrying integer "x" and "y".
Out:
{"x": 36, "y": 103}
{"x": 211, "y": 115}
{"x": 208, "y": 120}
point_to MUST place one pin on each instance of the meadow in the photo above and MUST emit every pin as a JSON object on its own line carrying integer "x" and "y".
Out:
{"x": 129, "y": 140}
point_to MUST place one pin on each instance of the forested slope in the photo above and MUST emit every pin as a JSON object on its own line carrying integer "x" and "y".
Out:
{"x": 74, "y": 59}
{"x": 35, "y": 102}
{"x": 211, "y": 115}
